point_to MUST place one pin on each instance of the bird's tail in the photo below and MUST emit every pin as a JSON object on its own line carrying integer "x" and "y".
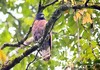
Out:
{"x": 45, "y": 52}
{"x": 46, "y": 49}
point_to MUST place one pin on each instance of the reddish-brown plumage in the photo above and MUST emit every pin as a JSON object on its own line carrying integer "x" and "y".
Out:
{"x": 37, "y": 31}
{"x": 38, "y": 27}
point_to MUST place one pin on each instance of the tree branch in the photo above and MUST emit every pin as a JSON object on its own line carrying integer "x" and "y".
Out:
{"x": 19, "y": 23}
{"x": 51, "y": 3}
{"x": 83, "y": 6}
{"x": 18, "y": 43}
{"x": 48, "y": 28}
{"x": 86, "y": 2}
{"x": 41, "y": 7}
{"x": 33, "y": 60}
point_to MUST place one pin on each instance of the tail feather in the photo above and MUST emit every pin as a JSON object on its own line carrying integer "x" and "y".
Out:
{"x": 46, "y": 49}
{"x": 45, "y": 52}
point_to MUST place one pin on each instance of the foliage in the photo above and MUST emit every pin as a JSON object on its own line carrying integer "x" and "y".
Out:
{"x": 3, "y": 57}
{"x": 76, "y": 35}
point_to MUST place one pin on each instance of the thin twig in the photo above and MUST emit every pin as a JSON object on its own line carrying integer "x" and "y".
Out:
{"x": 18, "y": 43}
{"x": 42, "y": 7}
{"x": 19, "y": 23}
{"x": 86, "y": 2}
{"x": 32, "y": 60}
{"x": 78, "y": 38}
{"x": 13, "y": 16}
{"x": 51, "y": 3}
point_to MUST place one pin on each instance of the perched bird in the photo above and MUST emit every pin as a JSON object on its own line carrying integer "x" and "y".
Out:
{"x": 38, "y": 29}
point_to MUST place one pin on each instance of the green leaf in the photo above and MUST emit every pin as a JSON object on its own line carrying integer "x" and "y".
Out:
{"x": 72, "y": 25}
{"x": 28, "y": 21}
{"x": 60, "y": 24}
{"x": 25, "y": 10}
{"x": 93, "y": 44}
{"x": 5, "y": 37}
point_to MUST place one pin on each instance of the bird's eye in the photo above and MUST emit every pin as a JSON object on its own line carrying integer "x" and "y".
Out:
{"x": 42, "y": 15}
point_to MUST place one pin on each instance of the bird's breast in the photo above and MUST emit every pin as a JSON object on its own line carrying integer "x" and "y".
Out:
{"x": 38, "y": 28}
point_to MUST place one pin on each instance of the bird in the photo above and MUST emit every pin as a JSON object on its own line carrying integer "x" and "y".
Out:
{"x": 38, "y": 29}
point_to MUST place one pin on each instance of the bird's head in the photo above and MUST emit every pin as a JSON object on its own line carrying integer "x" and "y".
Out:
{"x": 40, "y": 16}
